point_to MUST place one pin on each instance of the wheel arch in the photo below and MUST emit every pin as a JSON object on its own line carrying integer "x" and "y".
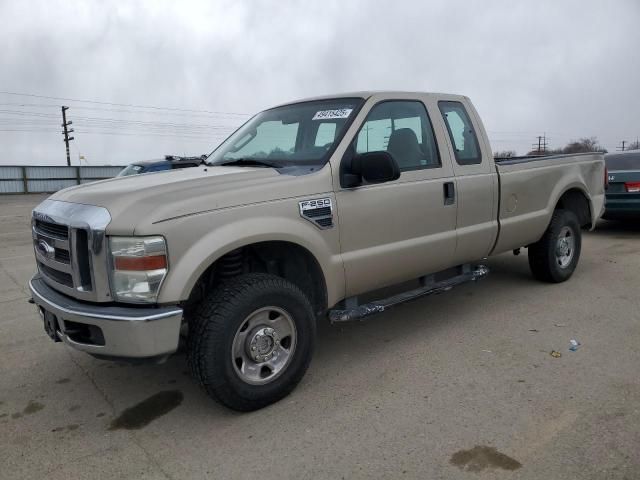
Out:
{"x": 576, "y": 200}
{"x": 283, "y": 258}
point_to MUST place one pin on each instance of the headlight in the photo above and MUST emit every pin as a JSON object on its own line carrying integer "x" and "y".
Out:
{"x": 139, "y": 264}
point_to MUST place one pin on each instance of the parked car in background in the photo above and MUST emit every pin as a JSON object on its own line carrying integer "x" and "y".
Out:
{"x": 170, "y": 162}
{"x": 623, "y": 194}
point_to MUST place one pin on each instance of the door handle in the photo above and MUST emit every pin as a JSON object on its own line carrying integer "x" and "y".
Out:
{"x": 449, "y": 190}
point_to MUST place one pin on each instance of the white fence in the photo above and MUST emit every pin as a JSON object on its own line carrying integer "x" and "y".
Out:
{"x": 49, "y": 179}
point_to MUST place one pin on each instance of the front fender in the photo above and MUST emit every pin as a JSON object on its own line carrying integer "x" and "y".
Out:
{"x": 200, "y": 240}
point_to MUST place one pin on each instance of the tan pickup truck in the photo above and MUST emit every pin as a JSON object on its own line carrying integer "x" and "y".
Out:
{"x": 309, "y": 210}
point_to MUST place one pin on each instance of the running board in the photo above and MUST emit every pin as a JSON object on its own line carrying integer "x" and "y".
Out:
{"x": 359, "y": 312}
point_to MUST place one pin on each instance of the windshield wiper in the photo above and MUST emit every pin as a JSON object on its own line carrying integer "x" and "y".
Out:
{"x": 250, "y": 162}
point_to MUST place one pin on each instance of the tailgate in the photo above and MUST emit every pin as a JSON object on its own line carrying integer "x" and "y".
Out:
{"x": 531, "y": 187}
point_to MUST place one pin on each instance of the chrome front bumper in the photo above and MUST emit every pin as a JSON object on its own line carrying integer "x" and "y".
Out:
{"x": 109, "y": 331}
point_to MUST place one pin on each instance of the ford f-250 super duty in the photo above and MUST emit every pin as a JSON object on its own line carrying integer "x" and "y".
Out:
{"x": 309, "y": 210}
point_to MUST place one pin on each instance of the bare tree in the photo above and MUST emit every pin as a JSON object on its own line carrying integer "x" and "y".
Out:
{"x": 584, "y": 145}
{"x": 504, "y": 154}
{"x": 634, "y": 146}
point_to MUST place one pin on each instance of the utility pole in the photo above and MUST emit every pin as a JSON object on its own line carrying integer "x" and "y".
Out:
{"x": 622, "y": 145}
{"x": 366, "y": 129}
{"x": 542, "y": 144}
{"x": 66, "y": 132}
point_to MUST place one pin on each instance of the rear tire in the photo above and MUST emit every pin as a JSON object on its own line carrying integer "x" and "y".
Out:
{"x": 555, "y": 256}
{"x": 251, "y": 340}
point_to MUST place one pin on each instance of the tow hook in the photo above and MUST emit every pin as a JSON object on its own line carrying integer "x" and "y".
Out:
{"x": 516, "y": 251}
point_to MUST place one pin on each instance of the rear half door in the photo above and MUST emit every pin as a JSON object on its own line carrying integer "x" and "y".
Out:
{"x": 476, "y": 179}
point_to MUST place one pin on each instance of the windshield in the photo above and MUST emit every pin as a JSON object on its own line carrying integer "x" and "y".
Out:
{"x": 298, "y": 134}
{"x": 130, "y": 170}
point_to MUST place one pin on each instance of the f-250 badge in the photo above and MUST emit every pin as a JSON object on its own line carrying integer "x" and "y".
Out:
{"x": 319, "y": 211}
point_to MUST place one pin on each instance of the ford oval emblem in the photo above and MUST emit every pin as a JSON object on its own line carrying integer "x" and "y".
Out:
{"x": 45, "y": 249}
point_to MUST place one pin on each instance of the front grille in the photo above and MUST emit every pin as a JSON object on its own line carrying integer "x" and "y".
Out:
{"x": 81, "y": 252}
{"x": 62, "y": 256}
{"x": 52, "y": 229}
{"x": 56, "y": 275}
{"x": 67, "y": 261}
{"x": 71, "y": 249}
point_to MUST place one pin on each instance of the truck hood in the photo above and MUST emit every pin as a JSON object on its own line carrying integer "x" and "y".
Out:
{"x": 148, "y": 199}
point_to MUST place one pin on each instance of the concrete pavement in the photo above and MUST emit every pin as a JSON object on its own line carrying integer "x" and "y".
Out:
{"x": 460, "y": 385}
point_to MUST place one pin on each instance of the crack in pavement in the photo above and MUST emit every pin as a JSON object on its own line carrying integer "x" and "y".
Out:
{"x": 23, "y": 288}
{"x": 16, "y": 257}
{"x": 14, "y": 300}
{"x": 17, "y": 232}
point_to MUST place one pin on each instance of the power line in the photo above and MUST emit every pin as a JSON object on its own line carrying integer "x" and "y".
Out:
{"x": 27, "y": 130}
{"x": 130, "y": 105}
{"x": 207, "y": 138}
{"x": 121, "y": 110}
{"x": 109, "y": 120}
{"x": 152, "y": 134}
{"x": 107, "y": 128}
{"x": 127, "y": 128}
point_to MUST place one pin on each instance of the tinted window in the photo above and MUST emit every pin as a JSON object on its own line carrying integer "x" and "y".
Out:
{"x": 156, "y": 167}
{"x": 623, "y": 161}
{"x": 130, "y": 170}
{"x": 403, "y": 129}
{"x": 461, "y": 133}
{"x": 177, "y": 165}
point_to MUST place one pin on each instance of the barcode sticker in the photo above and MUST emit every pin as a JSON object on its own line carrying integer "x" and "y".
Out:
{"x": 329, "y": 114}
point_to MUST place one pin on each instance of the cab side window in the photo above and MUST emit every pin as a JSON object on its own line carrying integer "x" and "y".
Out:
{"x": 403, "y": 129}
{"x": 461, "y": 133}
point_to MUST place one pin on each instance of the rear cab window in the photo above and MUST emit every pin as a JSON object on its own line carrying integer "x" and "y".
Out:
{"x": 461, "y": 132}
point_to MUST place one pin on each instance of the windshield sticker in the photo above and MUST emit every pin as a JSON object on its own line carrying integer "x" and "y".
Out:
{"x": 329, "y": 114}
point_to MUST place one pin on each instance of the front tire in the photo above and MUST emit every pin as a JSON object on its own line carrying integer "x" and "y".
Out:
{"x": 555, "y": 256}
{"x": 251, "y": 340}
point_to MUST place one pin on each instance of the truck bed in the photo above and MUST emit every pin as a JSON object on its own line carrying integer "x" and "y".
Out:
{"x": 531, "y": 186}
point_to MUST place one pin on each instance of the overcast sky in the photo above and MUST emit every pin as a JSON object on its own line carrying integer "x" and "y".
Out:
{"x": 567, "y": 68}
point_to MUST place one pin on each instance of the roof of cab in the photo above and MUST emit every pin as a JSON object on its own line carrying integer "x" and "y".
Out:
{"x": 364, "y": 94}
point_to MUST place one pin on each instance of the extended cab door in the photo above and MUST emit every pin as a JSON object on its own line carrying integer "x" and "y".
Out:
{"x": 398, "y": 230}
{"x": 476, "y": 179}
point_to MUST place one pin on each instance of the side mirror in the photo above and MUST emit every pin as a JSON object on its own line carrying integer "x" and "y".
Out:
{"x": 372, "y": 167}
